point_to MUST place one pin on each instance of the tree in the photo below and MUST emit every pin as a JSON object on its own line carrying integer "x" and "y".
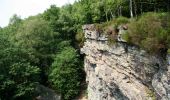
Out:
{"x": 25, "y": 78}
{"x": 52, "y": 15}
{"x": 15, "y": 19}
{"x": 37, "y": 37}
{"x": 64, "y": 74}
{"x": 131, "y": 8}
{"x": 17, "y": 77}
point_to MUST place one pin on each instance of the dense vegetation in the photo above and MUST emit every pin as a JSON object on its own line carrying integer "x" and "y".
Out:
{"x": 151, "y": 32}
{"x": 43, "y": 49}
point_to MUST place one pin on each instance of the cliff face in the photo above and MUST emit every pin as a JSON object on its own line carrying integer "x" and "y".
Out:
{"x": 122, "y": 72}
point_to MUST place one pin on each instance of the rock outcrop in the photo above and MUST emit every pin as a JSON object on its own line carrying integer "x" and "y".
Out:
{"x": 45, "y": 93}
{"x": 121, "y": 71}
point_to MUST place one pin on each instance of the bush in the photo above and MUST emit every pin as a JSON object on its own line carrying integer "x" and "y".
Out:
{"x": 111, "y": 28}
{"x": 80, "y": 38}
{"x": 113, "y": 24}
{"x": 150, "y": 32}
{"x": 121, "y": 20}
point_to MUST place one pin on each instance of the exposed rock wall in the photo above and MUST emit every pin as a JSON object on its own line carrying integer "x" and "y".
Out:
{"x": 122, "y": 72}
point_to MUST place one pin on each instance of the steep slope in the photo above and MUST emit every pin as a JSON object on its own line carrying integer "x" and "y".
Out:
{"x": 121, "y": 71}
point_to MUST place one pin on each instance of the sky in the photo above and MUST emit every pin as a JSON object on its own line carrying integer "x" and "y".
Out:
{"x": 25, "y": 8}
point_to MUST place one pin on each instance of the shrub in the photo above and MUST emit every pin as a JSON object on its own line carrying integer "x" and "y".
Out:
{"x": 111, "y": 28}
{"x": 112, "y": 25}
{"x": 150, "y": 32}
{"x": 126, "y": 37}
{"x": 80, "y": 38}
{"x": 121, "y": 20}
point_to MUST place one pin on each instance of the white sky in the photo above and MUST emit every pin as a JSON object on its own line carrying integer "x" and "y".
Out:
{"x": 25, "y": 8}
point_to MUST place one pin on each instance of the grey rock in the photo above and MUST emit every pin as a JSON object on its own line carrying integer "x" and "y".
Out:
{"x": 45, "y": 93}
{"x": 122, "y": 72}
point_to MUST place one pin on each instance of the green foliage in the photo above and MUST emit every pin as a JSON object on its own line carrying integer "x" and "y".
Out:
{"x": 34, "y": 42}
{"x": 47, "y": 41}
{"x": 17, "y": 78}
{"x": 33, "y": 32}
{"x": 15, "y": 20}
{"x": 150, "y": 32}
{"x": 37, "y": 37}
{"x": 11, "y": 29}
{"x": 64, "y": 74}
{"x": 151, "y": 94}
{"x": 112, "y": 40}
{"x": 111, "y": 28}
{"x": 80, "y": 38}
{"x": 126, "y": 37}
{"x": 52, "y": 13}
{"x": 25, "y": 78}
{"x": 121, "y": 20}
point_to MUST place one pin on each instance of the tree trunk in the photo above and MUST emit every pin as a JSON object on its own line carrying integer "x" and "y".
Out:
{"x": 135, "y": 8}
{"x": 120, "y": 9}
{"x": 106, "y": 15}
{"x": 141, "y": 11}
{"x": 112, "y": 14}
{"x": 131, "y": 8}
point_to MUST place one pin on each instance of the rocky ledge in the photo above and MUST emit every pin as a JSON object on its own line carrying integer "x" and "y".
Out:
{"x": 121, "y": 71}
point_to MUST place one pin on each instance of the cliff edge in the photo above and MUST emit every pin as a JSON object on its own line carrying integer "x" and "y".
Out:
{"x": 121, "y": 71}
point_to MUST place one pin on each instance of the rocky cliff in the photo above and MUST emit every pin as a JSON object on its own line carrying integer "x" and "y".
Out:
{"x": 121, "y": 71}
